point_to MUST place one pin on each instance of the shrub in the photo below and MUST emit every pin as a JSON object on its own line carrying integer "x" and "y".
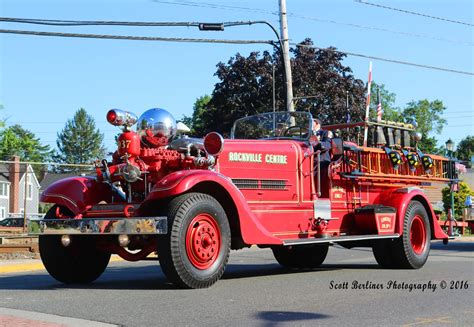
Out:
{"x": 459, "y": 198}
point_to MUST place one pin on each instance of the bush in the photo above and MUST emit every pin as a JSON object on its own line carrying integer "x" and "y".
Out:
{"x": 459, "y": 198}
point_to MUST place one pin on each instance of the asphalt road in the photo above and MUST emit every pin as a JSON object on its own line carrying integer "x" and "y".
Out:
{"x": 256, "y": 291}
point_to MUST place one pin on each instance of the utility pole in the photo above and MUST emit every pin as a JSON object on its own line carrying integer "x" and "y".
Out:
{"x": 286, "y": 55}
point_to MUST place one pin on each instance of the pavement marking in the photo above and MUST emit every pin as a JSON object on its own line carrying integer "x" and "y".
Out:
{"x": 6, "y": 268}
{"x": 425, "y": 321}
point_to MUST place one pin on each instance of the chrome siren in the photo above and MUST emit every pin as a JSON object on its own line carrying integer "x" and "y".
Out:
{"x": 157, "y": 123}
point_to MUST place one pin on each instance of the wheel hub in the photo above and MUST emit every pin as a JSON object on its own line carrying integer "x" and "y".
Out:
{"x": 203, "y": 241}
{"x": 418, "y": 235}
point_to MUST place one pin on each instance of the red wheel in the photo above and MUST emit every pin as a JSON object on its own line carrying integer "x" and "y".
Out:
{"x": 195, "y": 251}
{"x": 418, "y": 235}
{"x": 411, "y": 250}
{"x": 203, "y": 241}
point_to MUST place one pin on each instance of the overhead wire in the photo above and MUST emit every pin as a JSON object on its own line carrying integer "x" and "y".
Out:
{"x": 224, "y": 41}
{"x": 323, "y": 20}
{"x": 413, "y": 13}
{"x": 136, "y": 38}
{"x": 395, "y": 61}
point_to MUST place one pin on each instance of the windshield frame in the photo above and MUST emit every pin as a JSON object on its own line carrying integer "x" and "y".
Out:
{"x": 282, "y": 118}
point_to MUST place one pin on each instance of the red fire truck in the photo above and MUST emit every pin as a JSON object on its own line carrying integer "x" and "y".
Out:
{"x": 273, "y": 184}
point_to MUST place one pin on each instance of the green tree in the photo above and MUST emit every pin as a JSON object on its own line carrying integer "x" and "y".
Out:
{"x": 80, "y": 142}
{"x": 15, "y": 140}
{"x": 387, "y": 99}
{"x": 465, "y": 149}
{"x": 428, "y": 117}
{"x": 320, "y": 85}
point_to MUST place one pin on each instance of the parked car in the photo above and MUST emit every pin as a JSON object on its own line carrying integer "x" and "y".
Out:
{"x": 11, "y": 222}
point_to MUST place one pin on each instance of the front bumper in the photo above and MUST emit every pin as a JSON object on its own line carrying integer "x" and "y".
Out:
{"x": 99, "y": 226}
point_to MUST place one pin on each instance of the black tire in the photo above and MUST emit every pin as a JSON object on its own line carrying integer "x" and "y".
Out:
{"x": 196, "y": 249}
{"x": 80, "y": 262}
{"x": 302, "y": 256}
{"x": 412, "y": 249}
{"x": 383, "y": 254}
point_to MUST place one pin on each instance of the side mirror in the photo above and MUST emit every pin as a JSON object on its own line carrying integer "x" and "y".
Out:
{"x": 337, "y": 148}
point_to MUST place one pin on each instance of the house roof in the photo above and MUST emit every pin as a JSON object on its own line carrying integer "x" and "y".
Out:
{"x": 5, "y": 172}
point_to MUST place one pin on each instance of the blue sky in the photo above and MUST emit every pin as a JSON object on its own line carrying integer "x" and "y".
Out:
{"x": 44, "y": 80}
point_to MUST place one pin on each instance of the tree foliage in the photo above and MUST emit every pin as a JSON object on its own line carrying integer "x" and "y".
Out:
{"x": 465, "y": 149}
{"x": 80, "y": 142}
{"x": 387, "y": 99}
{"x": 320, "y": 85}
{"x": 428, "y": 117}
{"x": 15, "y": 140}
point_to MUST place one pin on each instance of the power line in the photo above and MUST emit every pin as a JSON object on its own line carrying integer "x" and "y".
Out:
{"x": 56, "y": 22}
{"x": 136, "y": 38}
{"x": 192, "y": 40}
{"x": 385, "y": 59}
{"x": 413, "y": 13}
{"x": 424, "y": 36}
{"x": 289, "y": 14}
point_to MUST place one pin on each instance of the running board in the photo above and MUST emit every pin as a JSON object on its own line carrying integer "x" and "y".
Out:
{"x": 339, "y": 239}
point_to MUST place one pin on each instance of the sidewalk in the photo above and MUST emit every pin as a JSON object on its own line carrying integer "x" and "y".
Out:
{"x": 18, "y": 318}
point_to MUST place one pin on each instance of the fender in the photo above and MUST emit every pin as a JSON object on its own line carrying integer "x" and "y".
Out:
{"x": 76, "y": 193}
{"x": 183, "y": 181}
{"x": 400, "y": 199}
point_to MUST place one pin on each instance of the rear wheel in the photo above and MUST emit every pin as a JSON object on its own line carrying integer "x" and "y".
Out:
{"x": 195, "y": 251}
{"x": 302, "y": 256}
{"x": 411, "y": 250}
{"x": 80, "y": 262}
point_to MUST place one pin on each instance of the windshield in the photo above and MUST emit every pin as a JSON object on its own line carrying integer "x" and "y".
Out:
{"x": 272, "y": 125}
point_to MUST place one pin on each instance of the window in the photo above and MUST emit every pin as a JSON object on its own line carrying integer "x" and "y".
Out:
{"x": 4, "y": 187}
{"x": 30, "y": 191}
{"x": 3, "y": 212}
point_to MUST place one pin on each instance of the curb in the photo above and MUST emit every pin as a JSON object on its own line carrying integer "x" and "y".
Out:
{"x": 15, "y": 267}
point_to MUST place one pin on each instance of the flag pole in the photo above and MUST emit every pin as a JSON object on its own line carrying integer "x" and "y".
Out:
{"x": 366, "y": 127}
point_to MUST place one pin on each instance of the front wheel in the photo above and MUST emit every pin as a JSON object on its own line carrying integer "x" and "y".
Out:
{"x": 80, "y": 262}
{"x": 195, "y": 251}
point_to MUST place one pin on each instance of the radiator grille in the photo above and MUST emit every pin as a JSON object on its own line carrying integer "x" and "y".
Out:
{"x": 246, "y": 183}
{"x": 266, "y": 184}
{"x": 270, "y": 184}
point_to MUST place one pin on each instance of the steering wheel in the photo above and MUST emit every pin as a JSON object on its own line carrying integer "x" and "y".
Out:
{"x": 295, "y": 130}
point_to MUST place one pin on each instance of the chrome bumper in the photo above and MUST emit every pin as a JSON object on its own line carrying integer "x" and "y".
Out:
{"x": 99, "y": 226}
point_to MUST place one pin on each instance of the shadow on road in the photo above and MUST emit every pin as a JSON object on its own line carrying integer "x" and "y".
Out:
{"x": 150, "y": 277}
{"x": 458, "y": 246}
{"x": 272, "y": 318}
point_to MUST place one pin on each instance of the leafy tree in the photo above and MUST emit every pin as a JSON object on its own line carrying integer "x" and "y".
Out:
{"x": 195, "y": 122}
{"x": 387, "y": 99}
{"x": 320, "y": 85}
{"x": 15, "y": 140}
{"x": 80, "y": 142}
{"x": 465, "y": 149}
{"x": 427, "y": 115}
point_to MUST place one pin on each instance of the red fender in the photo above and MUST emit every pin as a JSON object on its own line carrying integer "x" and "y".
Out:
{"x": 182, "y": 181}
{"x": 400, "y": 199}
{"x": 76, "y": 193}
